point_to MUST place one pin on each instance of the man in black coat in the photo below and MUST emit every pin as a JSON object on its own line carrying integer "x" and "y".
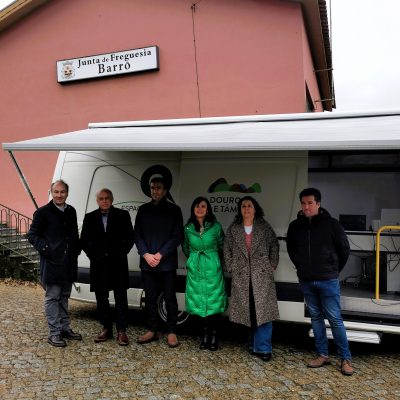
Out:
{"x": 107, "y": 238}
{"x": 54, "y": 234}
{"x": 319, "y": 249}
{"x": 158, "y": 233}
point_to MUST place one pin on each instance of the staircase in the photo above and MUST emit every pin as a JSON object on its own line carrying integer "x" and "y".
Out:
{"x": 18, "y": 258}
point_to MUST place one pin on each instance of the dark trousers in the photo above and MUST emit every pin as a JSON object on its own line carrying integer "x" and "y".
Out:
{"x": 210, "y": 323}
{"x": 105, "y": 312}
{"x": 155, "y": 282}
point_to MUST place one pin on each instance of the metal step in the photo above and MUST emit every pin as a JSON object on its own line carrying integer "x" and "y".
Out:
{"x": 370, "y": 305}
{"x": 13, "y": 238}
{"x": 30, "y": 262}
{"x": 24, "y": 253}
{"x": 4, "y": 232}
{"x": 15, "y": 245}
{"x": 355, "y": 336}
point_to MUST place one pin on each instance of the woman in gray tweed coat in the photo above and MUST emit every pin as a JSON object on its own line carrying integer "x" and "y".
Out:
{"x": 251, "y": 254}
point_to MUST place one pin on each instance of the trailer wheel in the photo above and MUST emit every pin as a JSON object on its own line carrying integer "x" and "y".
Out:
{"x": 183, "y": 316}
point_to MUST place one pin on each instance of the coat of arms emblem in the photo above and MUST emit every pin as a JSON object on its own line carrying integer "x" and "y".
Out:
{"x": 68, "y": 70}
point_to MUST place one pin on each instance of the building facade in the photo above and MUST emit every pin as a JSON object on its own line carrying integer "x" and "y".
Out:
{"x": 213, "y": 58}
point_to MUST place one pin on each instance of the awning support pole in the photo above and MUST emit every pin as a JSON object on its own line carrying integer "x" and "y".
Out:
{"x": 22, "y": 177}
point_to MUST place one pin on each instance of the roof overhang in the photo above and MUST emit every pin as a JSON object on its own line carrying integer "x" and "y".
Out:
{"x": 17, "y": 10}
{"x": 317, "y": 28}
{"x": 319, "y": 131}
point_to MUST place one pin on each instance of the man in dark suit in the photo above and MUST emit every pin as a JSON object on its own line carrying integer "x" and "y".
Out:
{"x": 107, "y": 238}
{"x": 158, "y": 233}
{"x": 54, "y": 234}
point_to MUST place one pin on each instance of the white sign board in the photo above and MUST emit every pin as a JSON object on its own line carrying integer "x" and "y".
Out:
{"x": 107, "y": 64}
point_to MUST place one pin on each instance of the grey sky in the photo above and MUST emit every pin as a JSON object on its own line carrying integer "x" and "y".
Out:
{"x": 366, "y": 60}
{"x": 4, "y": 3}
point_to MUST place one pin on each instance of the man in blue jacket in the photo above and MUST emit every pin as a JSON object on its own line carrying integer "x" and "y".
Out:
{"x": 158, "y": 232}
{"x": 319, "y": 249}
{"x": 54, "y": 234}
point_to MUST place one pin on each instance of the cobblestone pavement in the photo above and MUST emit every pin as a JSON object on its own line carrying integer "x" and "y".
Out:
{"x": 31, "y": 369}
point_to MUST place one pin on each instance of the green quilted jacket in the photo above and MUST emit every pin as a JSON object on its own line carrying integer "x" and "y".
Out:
{"x": 205, "y": 285}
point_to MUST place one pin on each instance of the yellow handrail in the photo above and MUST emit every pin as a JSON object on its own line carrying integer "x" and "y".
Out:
{"x": 378, "y": 245}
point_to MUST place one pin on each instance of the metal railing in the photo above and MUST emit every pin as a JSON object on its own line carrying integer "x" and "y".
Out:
{"x": 378, "y": 245}
{"x": 13, "y": 229}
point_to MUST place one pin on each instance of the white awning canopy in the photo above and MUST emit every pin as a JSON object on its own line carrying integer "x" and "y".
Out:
{"x": 311, "y": 131}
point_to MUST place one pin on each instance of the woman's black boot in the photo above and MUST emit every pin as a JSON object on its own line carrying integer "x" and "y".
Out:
{"x": 213, "y": 341}
{"x": 205, "y": 341}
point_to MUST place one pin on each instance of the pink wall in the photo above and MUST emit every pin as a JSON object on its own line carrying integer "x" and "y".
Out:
{"x": 252, "y": 56}
{"x": 255, "y": 66}
{"x": 309, "y": 74}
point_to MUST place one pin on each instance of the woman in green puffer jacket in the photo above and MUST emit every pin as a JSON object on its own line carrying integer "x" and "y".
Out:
{"x": 205, "y": 284}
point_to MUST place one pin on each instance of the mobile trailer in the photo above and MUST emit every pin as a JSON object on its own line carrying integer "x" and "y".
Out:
{"x": 352, "y": 157}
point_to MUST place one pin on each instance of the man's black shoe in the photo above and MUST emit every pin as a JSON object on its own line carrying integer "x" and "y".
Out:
{"x": 56, "y": 341}
{"x": 70, "y": 334}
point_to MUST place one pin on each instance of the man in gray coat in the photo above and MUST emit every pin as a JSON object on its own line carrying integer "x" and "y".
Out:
{"x": 54, "y": 234}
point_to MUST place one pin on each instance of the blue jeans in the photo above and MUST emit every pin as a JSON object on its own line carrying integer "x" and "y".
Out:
{"x": 260, "y": 338}
{"x": 323, "y": 301}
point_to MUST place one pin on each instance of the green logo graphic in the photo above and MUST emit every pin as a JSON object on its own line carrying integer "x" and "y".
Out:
{"x": 221, "y": 185}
